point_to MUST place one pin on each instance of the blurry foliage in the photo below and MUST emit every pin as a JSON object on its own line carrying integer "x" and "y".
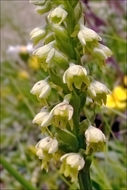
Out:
{"x": 18, "y": 107}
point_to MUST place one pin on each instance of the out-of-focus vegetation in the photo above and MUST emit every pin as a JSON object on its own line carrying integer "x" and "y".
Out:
{"x": 20, "y": 70}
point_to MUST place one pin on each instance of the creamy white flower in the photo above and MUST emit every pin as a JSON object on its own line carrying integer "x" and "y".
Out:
{"x": 102, "y": 51}
{"x": 45, "y": 150}
{"x": 48, "y": 145}
{"x": 37, "y": 34}
{"x": 58, "y": 15}
{"x": 64, "y": 110}
{"x": 94, "y": 135}
{"x": 41, "y": 116}
{"x": 41, "y": 89}
{"x": 43, "y": 51}
{"x": 59, "y": 115}
{"x": 77, "y": 75}
{"x": 98, "y": 91}
{"x": 87, "y": 35}
{"x": 95, "y": 139}
{"x": 75, "y": 160}
{"x": 71, "y": 164}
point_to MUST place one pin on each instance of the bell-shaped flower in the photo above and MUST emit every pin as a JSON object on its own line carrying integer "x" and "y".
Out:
{"x": 59, "y": 115}
{"x": 41, "y": 89}
{"x": 102, "y": 51}
{"x": 41, "y": 116}
{"x": 87, "y": 35}
{"x": 95, "y": 140}
{"x": 98, "y": 92}
{"x": 45, "y": 149}
{"x": 75, "y": 75}
{"x": 37, "y": 34}
{"x": 72, "y": 163}
{"x": 57, "y": 15}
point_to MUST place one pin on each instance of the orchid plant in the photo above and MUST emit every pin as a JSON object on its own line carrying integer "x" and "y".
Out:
{"x": 65, "y": 43}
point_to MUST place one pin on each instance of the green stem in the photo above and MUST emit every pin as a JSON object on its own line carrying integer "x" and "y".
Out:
{"x": 84, "y": 176}
{"x": 27, "y": 185}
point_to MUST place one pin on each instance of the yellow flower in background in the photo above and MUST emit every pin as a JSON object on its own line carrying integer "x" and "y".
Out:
{"x": 118, "y": 98}
{"x": 23, "y": 74}
{"x": 125, "y": 80}
{"x": 34, "y": 63}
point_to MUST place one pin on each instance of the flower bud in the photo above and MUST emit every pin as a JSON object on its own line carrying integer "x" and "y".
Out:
{"x": 57, "y": 16}
{"x": 98, "y": 92}
{"x": 41, "y": 89}
{"x": 45, "y": 149}
{"x": 44, "y": 8}
{"x": 102, "y": 51}
{"x": 76, "y": 75}
{"x": 72, "y": 163}
{"x": 87, "y": 35}
{"x": 37, "y": 2}
{"x": 41, "y": 116}
{"x": 59, "y": 115}
{"x": 37, "y": 34}
{"x": 95, "y": 140}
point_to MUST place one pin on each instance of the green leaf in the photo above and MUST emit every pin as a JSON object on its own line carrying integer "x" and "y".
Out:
{"x": 67, "y": 139}
{"x": 27, "y": 185}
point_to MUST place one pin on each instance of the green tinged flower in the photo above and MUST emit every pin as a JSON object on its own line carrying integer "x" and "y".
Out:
{"x": 45, "y": 149}
{"x": 72, "y": 163}
{"x": 75, "y": 75}
{"x": 59, "y": 115}
{"x": 37, "y": 34}
{"x": 102, "y": 51}
{"x": 87, "y": 35}
{"x": 98, "y": 92}
{"x": 43, "y": 51}
{"x": 41, "y": 89}
{"x": 95, "y": 140}
{"x": 57, "y": 15}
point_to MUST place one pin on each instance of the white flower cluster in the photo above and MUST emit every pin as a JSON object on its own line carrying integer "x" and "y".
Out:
{"x": 71, "y": 76}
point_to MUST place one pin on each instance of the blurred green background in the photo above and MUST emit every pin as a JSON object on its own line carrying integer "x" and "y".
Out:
{"x": 20, "y": 70}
